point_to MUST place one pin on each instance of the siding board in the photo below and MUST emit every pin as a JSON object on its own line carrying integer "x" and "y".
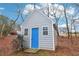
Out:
{"x": 39, "y": 21}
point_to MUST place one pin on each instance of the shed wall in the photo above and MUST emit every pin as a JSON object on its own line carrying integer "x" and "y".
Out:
{"x": 39, "y": 21}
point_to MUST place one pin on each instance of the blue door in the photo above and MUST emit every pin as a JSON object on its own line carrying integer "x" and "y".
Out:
{"x": 35, "y": 39}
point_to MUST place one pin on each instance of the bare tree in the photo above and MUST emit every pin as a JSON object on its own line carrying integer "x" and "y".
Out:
{"x": 73, "y": 23}
{"x": 19, "y": 14}
{"x": 73, "y": 20}
{"x": 66, "y": 21}
{"x": 72, "y": 26}
{"x": 56, "y": 17}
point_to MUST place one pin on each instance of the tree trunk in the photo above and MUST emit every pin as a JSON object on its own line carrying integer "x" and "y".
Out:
{"x": 34, "y": 5}
{"x": 1, "y": 34}
{"x": 57, "y": 19}
{"x": 57, "y": 28}
{"x": 48, "y": 10}
{"x": 75, "y": 31}
{"x": 71, "y": 29}
{"x": 66, "y": 23}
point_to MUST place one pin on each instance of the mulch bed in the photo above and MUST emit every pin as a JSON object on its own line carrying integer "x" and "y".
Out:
{"x": 65, "y": 47}
{"x": 8, "y": 45}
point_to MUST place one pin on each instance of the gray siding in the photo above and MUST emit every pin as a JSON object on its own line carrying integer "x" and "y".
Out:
{"x": 26, "y": 38}
{"x": 55, "y": 37}
{"x": 46, "y": 41}
{"x": 39, "y": 21}
{"x": 26, "y": 42}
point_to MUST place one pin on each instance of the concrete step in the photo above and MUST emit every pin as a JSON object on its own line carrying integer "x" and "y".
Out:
{"x": 31, "y": 50}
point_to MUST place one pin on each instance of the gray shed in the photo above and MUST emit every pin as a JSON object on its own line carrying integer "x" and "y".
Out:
{"x": 39, "y": 32}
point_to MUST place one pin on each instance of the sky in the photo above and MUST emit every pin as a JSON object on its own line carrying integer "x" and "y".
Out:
{"x": 10, "y": 10}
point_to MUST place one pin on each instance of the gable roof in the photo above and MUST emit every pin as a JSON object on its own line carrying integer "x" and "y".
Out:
{"x": 39, "y": 11}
